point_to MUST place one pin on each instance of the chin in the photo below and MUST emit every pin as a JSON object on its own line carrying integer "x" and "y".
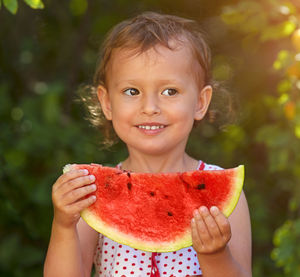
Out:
{"x": 152, "y": 150}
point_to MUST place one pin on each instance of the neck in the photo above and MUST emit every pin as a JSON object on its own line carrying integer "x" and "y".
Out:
{"x": 176, "y": 162}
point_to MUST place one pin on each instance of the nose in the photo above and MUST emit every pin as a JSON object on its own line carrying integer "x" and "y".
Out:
{"x": 150, "y": 104}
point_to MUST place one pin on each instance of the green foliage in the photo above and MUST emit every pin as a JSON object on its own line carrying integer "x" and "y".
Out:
{"x": 277, "y": 131}
{"x": 286, "y": 252}
{"x": 40, "y": 141}
{"x": 35, "y": 4}
{"x": 12, "y": 5}
{"x": 78, "y": 7}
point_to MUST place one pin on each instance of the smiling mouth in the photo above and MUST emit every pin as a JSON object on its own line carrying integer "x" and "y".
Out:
{"x": 151, "y": 127}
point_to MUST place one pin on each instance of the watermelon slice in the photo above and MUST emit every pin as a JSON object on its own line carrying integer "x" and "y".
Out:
{"x": 152, "y": 212}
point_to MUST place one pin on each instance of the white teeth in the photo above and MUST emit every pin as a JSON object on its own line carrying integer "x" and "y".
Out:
{"x": 150, "y": 127}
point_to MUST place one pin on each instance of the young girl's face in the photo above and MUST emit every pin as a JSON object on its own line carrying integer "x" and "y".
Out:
{"x": 153, "y": 98}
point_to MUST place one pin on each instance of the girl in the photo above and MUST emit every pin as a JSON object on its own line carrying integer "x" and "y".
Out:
{"x": 153, "y": 82}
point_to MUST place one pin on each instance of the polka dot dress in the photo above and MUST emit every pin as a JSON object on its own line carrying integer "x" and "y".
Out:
{"x": 117, "y": 260}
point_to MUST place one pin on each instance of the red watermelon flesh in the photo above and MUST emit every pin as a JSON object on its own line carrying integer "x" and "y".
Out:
{"x": 152, "y": 212}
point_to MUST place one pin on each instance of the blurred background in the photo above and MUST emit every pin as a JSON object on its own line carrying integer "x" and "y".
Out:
{"x": 48, "y": 49}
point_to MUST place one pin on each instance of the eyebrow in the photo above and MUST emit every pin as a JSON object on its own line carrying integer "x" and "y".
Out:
{"x": 160, "y": 82}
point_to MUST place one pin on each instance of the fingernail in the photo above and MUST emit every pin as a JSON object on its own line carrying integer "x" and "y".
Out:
{"x": 93, "y": 197}
{"x": 203, "y": 209}
{"x": 214, "y": 209}
{"x": 92, "y": 178}
{"x": 85, "y": 171}
{"x": 93, "y": 187}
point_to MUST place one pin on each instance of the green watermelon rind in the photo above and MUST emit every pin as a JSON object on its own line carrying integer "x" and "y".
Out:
{"x": 123, "y": 238}
{"x": 185, "y": 240}
{"x": 238, "y": 185}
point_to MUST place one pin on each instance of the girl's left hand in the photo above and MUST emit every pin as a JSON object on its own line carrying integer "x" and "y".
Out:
{"x": 210, "y": 230}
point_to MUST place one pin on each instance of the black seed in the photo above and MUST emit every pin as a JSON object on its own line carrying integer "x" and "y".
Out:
{"x": 129, "y": 185}
{"x": 128, "y": 174}
{"x": 201, "y": 186}
{"x": 152, "y": 193}
{"x": 170, "y": 213}
{"x": 106, "y": 185}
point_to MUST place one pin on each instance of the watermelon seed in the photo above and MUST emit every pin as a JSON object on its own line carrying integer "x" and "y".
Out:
{"x": 166, "y": 196}
{"x": 106, "y": 185}
{"x": 129, "y": 185}
{"x": 170, "y": 213}
{"x": 152, "y": 193}
{"x": 201, "y": 186}
{"x": 128, "y": 174}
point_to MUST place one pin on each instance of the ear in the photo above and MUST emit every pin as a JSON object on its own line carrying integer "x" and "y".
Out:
{"x": 104, "y": 100}
{"x": 203, "y": 102}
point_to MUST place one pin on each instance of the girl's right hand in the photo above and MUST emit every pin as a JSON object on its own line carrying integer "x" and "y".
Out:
{"x": 69, "y": 196}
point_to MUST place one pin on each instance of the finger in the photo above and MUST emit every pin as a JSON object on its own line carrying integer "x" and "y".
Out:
{"x": 78, "y": 206}
{"x": 77, "y": 194}
{"x": 69, "y": 176}
{"x": 201, "y": 228}
{"x": 222, "y": 221}
{"x": 210, "y": 223}
{"x": 73, "y": 173}
{"x": 76, "y": 183}
{"x": 197, "y": 243}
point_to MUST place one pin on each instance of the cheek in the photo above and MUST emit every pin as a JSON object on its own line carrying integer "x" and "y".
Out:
{"x": 184, "y": 121}
{"x": 186, "y": 116}
{"x": 123, "y": 112}
{"x": 123, "y": 117}
{"x": 185, "y": 110}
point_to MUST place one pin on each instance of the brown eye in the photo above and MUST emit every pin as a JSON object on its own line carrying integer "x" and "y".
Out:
{"x": 169, "y": 92}
{"x": 131, "y": 91}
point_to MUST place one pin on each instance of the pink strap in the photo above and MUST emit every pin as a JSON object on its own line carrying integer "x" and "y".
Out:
{"x": 154, "y": 269}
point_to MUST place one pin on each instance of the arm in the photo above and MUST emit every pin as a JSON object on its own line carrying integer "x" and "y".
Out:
{"x": 223, "y": 246}
{"x": 72, "y": 241}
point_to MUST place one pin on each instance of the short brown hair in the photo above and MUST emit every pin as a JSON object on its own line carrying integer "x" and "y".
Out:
{"x": 141, "y": 33}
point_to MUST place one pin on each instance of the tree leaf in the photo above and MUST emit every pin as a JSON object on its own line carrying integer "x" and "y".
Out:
{"x": 78, "y": 7}
{"x": 278, "y": 31}
{"x": 9, "y": 249}
{"x": 11, "y": 5}
{"x": 35, "y": 4}
{"x": 30, "y": 255}
{"x": 232, "y": 16}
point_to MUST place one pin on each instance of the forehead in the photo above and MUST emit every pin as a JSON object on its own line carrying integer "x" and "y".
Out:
{"x": 177, "y": 61}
